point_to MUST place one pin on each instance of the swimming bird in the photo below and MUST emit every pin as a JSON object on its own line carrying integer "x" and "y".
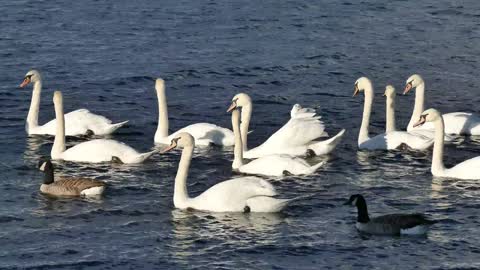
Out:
{"x": 78, "y": 122}
{"x": 393, "y": 224}
{"x": 68, "y": 186}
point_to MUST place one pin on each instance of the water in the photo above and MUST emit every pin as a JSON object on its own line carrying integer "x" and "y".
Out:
{"x": 104, "y": 56}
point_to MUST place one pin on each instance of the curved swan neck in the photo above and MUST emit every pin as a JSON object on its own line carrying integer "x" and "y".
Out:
{"x": 32, "y": 118}
{"x": 367, "y": 109}
{"x": 162, "y": 127}
{"x": 59, "y": 143}
{"x": 246, "y": 115}
{"x": 390, "y": 121}
{"x": 437, "y": 160}
{"x": 238, "y": 147}
{"x": 180, "y": 193}
{"x": 419, "y": 105}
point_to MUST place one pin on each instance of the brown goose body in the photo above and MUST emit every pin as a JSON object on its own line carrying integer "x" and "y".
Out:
{"x": 71, "y": 186}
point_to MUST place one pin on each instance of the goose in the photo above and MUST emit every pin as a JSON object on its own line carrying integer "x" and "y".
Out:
{"x": 272, "y": 165}
{"x": 94, "y": 151}
{"x": 245, "y": 194}
{"x": 295, "y": 138}
{"x": 67, "y": 186}
{"x": 78, "y": 122}
{"x": 459, "y": 123}
{"x": 390, "y": 140}
{"x": 393, "y": 224}
{"x": 469, "y": 169}
{"x": 205, "y": 134}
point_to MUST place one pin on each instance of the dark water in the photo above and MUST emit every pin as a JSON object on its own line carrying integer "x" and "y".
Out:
{"x": 104, "y": 56}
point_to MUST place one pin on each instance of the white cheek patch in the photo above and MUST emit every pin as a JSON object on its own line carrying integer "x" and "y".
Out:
{"x": 354, "y": 201}
{"x": 42, "y": 168}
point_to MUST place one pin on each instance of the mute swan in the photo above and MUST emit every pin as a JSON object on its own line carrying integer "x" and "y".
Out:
{"x": 100, "y": 150}
{"x": 469, "y": 169}
{"x": 273, "y": 165}
{"x": 78, "y": 122}
{"x": 295, "y": 138}
{"x": 390, "y": 140}
{"x": 205, "y": 134}
{"x": 459, "y": 123}
{"x": 68, "y": 186}
{"x": 393, "y": 224}
{"x": 245, "y": 194}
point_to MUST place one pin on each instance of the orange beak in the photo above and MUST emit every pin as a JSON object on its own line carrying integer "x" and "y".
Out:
{"x": 420, "y": 122}
{"x": 169, "y": 148}
{"x": 408, "y": 87}
{"x": 25, "y": 82}
{"x": 232, "y": 107}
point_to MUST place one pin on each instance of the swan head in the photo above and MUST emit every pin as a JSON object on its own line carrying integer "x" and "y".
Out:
{"x": 362, "y": 84}
{"x": 429, "y": 115}
{"x": 32, "y": 76}
{"x": 412, "y": 82}
{"x": 181, "y": 140}
{"x": 239, "y": 100}
{"x": 159, "y": 84}
{"x": 389, "y": 91}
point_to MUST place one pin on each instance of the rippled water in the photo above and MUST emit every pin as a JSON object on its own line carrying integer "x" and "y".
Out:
{"x": 104, "y": 56}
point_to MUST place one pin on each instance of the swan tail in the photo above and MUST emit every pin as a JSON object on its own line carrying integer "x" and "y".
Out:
{"x": 113, "y": 127}
{"x": 265, "y": 204}
{"x": 327, "y": 146}
{"x": 315, "y": 167}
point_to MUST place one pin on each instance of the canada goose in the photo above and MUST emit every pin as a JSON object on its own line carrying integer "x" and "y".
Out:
{"x": 394, "y": 224}
{"x": 68, "y": 186}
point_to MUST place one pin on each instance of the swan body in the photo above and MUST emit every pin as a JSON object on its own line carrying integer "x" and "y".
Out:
{"x": 295, "y": 138}
{"x": 68, "y": 186}
{"x": 78, "y": 122}
{"x": 99, "y": 150}
{"x": 459, "y": 123}
{"x": 393, "y": 224}
{"x": 273, "y": 165}
{"x": 205, "y": 134}
{"x": 469, "y": 169}
{"x": 245, "y": 194}
{"x": 390, "y": 140}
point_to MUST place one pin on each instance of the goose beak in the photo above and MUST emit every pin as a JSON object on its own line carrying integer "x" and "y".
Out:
{"x": 355, "y": 91}
{"x": 232, "y": 107}
{"x": 25, "y": 82}
{"x": 408, "y": 87}
{"x": 420, "y": 122}
{"x": 169, "y": 148}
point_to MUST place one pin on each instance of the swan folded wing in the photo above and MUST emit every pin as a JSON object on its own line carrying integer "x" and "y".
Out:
{"x": 100, "y": 150}
{"x": 206, "y": 133}
{"x": 232, "y": 195}
{"x": 297, "y": 132}
{"x": 78, "y": 122}
{"x": 276, "y": 165}
{"x": 469, "y": 169}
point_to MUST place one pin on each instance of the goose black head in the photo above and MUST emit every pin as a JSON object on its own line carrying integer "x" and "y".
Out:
{"x": 354, "y": 200}
{"x": 46, "y": 166}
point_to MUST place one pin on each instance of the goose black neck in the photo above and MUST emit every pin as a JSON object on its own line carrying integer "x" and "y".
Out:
{"x": 362, "y": 210}
{"x": 48, "y": 174}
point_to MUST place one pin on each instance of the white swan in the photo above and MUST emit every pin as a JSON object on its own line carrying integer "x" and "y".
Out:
{"x": 100, "y": 150}
{"x": 469, "y": 169}
{"x": 78, "y": 122}
{"x": 459, "y": 123}
{"x": 273, "y": 165}
{"x": 390, "y": 140}
{"x": 295, "y": 138}
{"x": 245, "y": 194}
{"x": 205, "y": 134}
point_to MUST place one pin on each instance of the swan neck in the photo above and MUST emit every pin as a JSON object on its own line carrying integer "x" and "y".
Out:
{"x": 238, "y": 147}
{"x": 59, "y": 142}
{"x": 162, "y": 127}
{"x": 32, "y": 118}
{"x": 246, "y": 115}
{"x": 390, "y": 120}
{"x": 180, "y": 193}
{"x": 419, "y": 106}
{"x": 437, "y": 160}
{"x": 367, "y": 109}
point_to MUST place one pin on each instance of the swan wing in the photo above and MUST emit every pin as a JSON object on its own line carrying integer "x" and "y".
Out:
{"x": 206, "y": 134}
{"x": 232, "y": 195}
{"x": 276, "y": 165}
{"x": 101, "y": 150}
{"x": 469, "y": 169}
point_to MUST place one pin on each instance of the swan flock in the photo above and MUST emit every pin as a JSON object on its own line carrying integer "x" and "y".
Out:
{"x": 288, "y": 151}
